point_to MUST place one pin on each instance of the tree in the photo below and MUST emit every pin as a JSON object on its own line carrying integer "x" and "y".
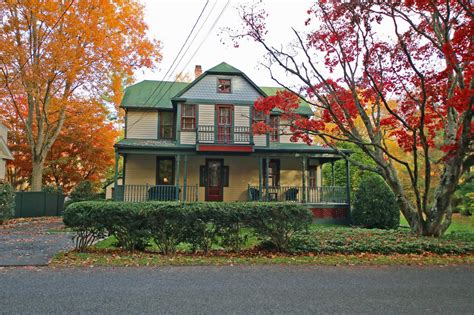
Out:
{"x": 352, "y": 71}
{"x": 54, "y": 53}
{"x": 83, "y": 150}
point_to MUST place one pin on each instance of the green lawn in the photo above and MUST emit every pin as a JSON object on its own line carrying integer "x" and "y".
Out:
{"x": 463, "y": 224}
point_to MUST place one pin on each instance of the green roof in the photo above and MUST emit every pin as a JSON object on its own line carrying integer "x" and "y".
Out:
{"x": 224, "y": 68}
{"x": 152, "y": 94}
{"x": 160, "y": 94}
{"x": 303, "y": 109}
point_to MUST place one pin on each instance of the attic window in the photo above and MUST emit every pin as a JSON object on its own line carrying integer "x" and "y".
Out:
{"x": 224, "y": 86}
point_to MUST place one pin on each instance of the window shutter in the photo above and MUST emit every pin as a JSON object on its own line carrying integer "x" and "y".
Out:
{"x": 202, "y": 176}
{"x": 226, "y": 176}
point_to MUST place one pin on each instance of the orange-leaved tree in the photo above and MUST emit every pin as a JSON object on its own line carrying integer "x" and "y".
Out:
{"x": 83, "y": 150}
{"x": 55, "y": 54}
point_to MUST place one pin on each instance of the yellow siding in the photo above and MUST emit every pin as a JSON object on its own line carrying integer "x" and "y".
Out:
{"x": 242, "y": 172}
{"x": 241, "y": 116}
{"x": 285, "y": 132}
{"x": 2, "y": 169}
{"x": 140, "y": 169}
{"x": 142, "y": 124}
{"x": 188, "y": 137}
{"x": 260, "y": 140}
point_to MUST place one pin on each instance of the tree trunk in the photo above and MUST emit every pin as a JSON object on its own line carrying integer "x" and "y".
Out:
{"x": 37, "y": 175}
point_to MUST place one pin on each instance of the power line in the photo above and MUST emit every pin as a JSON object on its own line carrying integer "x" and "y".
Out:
{"x": 180, "y": 50}
{"x": 200, "y": 45}
{"x": 160, "y": 84}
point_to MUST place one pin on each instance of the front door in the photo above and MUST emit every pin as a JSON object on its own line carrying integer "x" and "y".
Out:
{"x": 214, "y": 187}
{"x": 224, "y": 123}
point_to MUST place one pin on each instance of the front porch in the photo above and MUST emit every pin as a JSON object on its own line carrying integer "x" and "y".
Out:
{"x": 322, "y": 195}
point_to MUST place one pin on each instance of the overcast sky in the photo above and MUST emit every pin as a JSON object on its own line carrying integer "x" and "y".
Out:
{"x": 170, "y": 21}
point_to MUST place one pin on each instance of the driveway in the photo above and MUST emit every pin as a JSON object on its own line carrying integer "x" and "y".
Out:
{"x": 238, "y": 290}
{"x": 30, "y": 243}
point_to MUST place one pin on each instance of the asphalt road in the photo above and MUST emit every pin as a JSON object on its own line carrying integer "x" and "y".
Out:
{"x": 242, "y": 290}
{"x": 30, "y": 243}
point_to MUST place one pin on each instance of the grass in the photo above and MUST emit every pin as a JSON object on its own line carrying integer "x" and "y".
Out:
{"x": 123, "y": 259}
{"x": 459, "y": 224}
{"x": 105, "y": 252}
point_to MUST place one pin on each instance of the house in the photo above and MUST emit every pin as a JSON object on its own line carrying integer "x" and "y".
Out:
{"x": 5, "y": 153}
{"x": 194, "y": 142}
{"x": 109, "y": 188}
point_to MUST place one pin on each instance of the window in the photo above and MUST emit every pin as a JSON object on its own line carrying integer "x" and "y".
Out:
{"x": 166, "y": 125}
{"x": 188, "y": 117}
{"x": 273, "y": 173}
{"x": 275, "y": 125}
{"x": 224, "y": 86}
{"x": 258, "y": 116}
{"x": 312, "y": 176}
{"x": 165, "y": 171}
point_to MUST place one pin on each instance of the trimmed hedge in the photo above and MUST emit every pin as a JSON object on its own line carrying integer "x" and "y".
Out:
{"x": 171, "y": 223}
{"x": 377, "y": 241}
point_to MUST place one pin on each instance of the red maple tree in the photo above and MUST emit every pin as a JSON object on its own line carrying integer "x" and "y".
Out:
{"x": 377, "y": 71}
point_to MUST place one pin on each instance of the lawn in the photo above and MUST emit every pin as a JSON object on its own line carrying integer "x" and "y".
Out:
{"x": 324, "y": 245}
{"x": 460, "y": 223}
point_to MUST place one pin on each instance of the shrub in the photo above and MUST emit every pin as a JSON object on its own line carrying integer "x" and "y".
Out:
{"x": 170, "y": 223}
{"x": 83, "y": 191}
{"x": 7, "y": 201}
{"x": 376, "y": 241}
{"x": 375, "y": 205}
{"x": 277, "y": 222}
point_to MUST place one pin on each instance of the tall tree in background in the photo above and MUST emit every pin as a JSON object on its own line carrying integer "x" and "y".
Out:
{"x": 57, "y": 54}
{"x": 83, "y": 150}
{"x": 411, "y": 84}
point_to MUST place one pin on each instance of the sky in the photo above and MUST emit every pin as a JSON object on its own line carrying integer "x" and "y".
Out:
{"x": 171, "y": 21}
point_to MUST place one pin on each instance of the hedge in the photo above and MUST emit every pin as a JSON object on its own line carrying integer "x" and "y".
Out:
{"x": 199, "y": 224}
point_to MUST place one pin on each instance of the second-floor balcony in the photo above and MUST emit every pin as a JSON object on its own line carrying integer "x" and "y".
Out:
{"x": 224, "y": 135}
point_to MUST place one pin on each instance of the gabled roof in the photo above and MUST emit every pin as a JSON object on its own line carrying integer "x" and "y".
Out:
{"x": 151, "y": 94}
{"x": 161, "y": 94}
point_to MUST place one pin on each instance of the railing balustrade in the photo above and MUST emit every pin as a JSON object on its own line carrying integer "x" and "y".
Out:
{"x": 137, "y": 193}
{"x": 317, "y": 195}
{"x": 223, "y": 134}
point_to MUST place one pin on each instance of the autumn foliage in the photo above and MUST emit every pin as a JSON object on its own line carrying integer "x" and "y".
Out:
{"x": 57, "y": 56}
{"x": 393, "y": 77}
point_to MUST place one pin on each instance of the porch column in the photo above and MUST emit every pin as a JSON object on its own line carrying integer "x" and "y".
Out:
{"x": 185, "y": 179}
{"x": 303, "y": 177}
{"x": 348, "y": 183}
{"x": 333, "y": 177}
{"x": 267, "y": 165}
{"x": 178, "y": 160}
{"x": 117, "y": 157}
{"x": 260, "y": 176}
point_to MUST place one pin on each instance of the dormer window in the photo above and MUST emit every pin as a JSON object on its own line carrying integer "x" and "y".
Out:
{"x": 224, "y": 86}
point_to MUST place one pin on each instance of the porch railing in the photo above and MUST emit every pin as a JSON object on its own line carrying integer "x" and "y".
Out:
{"x": 317, "y": 195}
{"x": 223, "y": 134}
{"x": 137, "y": 193}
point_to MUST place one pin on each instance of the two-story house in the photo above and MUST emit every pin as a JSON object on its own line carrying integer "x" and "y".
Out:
{"x": 194, "y": 142}
{"x": 5, "y": 153}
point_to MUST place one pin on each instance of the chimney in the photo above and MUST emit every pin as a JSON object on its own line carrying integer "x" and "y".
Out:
{"x": 197, "y": 71}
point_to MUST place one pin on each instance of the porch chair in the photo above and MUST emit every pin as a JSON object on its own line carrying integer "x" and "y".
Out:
{"x": 254, "y": 194}
{"x": 291, "y": 194}
{"x": 162, "y": 193}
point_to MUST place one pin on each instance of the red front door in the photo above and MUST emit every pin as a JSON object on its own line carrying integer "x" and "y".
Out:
{"x": 224, "y": 123}
{"x": 214, "y": 187}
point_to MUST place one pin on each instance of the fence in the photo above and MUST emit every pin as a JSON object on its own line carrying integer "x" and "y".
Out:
{"x": 38, "y": 204}
{"x": 316, "y": 195}
{"x": 137, "y": 193}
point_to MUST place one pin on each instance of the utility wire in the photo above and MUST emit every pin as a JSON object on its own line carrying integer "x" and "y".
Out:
{"x": 160, "y": 84}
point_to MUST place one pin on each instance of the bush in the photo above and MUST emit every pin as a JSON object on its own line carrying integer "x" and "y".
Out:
{"x": 375, "y": 205}
{"x": 277, "y": 222}
{"x": 7, "y": 201}
{"x": 83, "y": 191}
{"x": 376, "y": 241}
{"x": 199, "y": 224}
